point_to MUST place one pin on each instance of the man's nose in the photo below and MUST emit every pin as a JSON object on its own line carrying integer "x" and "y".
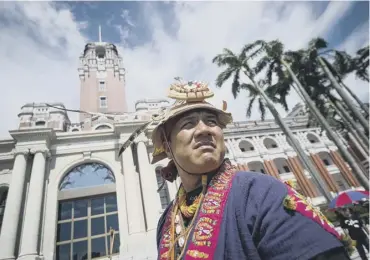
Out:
{"x": 202, "y": 129}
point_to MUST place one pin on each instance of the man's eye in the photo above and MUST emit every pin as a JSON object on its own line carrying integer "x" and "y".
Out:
{"x": 212, "y": 121}
{"x": 187, "y": 124}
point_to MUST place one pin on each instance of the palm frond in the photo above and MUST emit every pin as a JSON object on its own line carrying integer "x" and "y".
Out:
{"x": 250, "y": 106}
{"x": 224, "y": 76}
{"x": 317, "y": 43}
{"x": 262, "y": 108}
{"x": 261, "y": 64}
{"x": 235, "y": 86}
{"x": 225, "y": 58}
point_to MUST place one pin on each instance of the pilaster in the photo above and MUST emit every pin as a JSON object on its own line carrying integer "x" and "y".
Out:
{"x": 301, "y": 178}
{"x": 345, "y": 171}
{"x": 135, "y": 214}
{"x": 151, "y": 198}
{"x": 8, "y": 235}
{"x": 324, "y": 173}
{"x": 270, "y": 167}
{"x": 31, "y": 227}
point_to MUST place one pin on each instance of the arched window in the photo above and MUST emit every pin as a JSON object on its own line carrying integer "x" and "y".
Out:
{"x": 312, "y": 138}
{"x": 103, "y": 127}
{"x": 256, "y": 166}
{"x": 87, "y": 213}
{"x": 270, "y": 143}
{"x": 163, "y": 193}
{"x": 245, "y": 146}
{"x": 3, "y": 196}
{"x": 282, "y": 165}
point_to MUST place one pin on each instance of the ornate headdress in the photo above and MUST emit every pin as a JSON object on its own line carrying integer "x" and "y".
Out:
{"x": 189, "y": 96}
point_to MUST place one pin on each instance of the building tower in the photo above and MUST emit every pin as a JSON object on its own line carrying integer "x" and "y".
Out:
{"x": 102, "y": 77}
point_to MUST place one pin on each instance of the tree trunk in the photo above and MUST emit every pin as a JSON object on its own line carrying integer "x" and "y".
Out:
{"x": 355, "y": 97}
{"x": 349, "y": 158}
{"x": 364, "y": 141}
{"x": 344, "y": 96}
{"x": 296, "y": 146}
{"x": 359, "y": 143}
{"x": 354, "y": 140}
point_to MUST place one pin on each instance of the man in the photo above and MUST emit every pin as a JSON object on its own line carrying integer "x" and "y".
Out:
{"x": 220, "y": 212}
{"x": 353, "y": 223}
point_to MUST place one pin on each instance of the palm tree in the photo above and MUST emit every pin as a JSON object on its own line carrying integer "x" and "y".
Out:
{"x": 275, "y": 59}
{"x": 315, "y": 45}
{"x": 362, "y": 63}
{"x": 362, "y": 138}
{"x": 239, "y": 63}
{"x": 344, "y": 64}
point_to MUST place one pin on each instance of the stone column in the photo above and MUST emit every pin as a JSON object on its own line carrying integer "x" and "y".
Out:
{"x": 13, "y": 212}
{"x": 324, "y": 173}
{"x": 135, "y": 214}
{"x": 172, "y": 189}
{"x": 345, "y": 171}
{"x": 300, "y": 177}
{"x": 271, "y": 168}
{"x": 32, "y": 214}
{"x": 152, "y": 204}
{"x": 310, "y": 186}
{"x": 242, "y": 167}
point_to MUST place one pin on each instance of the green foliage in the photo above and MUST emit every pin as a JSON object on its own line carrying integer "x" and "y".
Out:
{"x": 276, "y": 82}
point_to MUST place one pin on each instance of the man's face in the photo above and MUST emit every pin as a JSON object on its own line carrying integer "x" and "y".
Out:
{"x": 197, "y": 142}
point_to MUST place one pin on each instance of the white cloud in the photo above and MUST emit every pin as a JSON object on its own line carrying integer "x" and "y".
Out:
{"x": 40, "y": 50}
{"x": 38, "y": 58}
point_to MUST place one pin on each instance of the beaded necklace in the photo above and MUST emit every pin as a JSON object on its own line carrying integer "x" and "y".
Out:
{"x": 180, "y": 233}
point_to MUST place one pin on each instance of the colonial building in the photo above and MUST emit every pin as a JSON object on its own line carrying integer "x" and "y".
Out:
{"x": 65, "y": 193}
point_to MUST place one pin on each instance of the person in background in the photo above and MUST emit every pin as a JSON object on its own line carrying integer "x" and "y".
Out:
{"x": 353, "y": 223}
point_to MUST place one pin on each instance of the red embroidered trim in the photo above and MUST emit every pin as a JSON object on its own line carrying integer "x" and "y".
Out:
{"x": 206, "y": 231}
{"x": 297, "y": 202}
{"x": 165, "y": 242}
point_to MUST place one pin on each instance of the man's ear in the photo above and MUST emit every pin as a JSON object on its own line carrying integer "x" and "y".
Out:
{"x": 167, "y": 150}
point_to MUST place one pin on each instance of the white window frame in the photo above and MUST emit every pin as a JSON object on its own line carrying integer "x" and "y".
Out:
{"x": 100, "y": 102}
{"x": 100, "y": 85}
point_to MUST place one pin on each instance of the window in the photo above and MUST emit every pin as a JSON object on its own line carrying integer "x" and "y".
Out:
{"x": 341, "y": 185}
{"x": 286, "y": 169}
{"x": 103, "y": 102}
{"x": 40, "y": 123}
{"x": 245, "y": 145}
{"x": 84, "y": 226}
{"x": 103, "y": 127}
{"x": 3, "y": 197}
{"x": 163, "y": 193}
{"x": 102, "y": 86}
{"x": 84, "y": 223}
{"x": 326, "y": 162}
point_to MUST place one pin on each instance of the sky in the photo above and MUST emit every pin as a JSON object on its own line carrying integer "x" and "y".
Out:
{"x": 41, "y": 43}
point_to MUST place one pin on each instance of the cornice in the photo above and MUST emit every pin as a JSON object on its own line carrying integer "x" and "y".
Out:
{"x": 5, "y": 171}
{"x": 85, "y": 136}
{"x": 30, "y": 135}
{"x": 128, "y": 127}
{"x": 6, "y": 142}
